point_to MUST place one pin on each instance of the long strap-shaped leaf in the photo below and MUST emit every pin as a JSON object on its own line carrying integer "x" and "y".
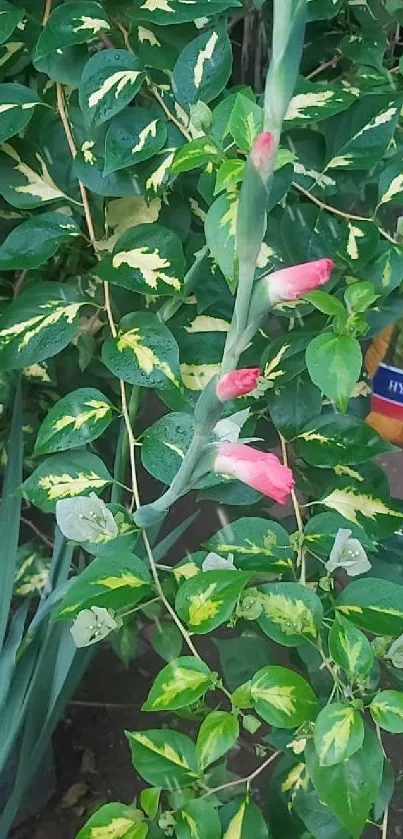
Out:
{"x": 10, "y": 515}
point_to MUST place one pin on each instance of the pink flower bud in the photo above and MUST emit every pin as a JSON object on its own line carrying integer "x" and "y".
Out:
{"x": 237, "y": 383}
{"x": 292, "y": 283}
{"x": 260, "y": 470}
{"x": 263, "y": 151}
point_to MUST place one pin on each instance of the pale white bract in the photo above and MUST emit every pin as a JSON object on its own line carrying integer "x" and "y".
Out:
{"x": 349, "y": 554}
{"x": 395, "y": 653}
{"x": 215, "y": 562}
{"x": 85, "y": 518}
{"x": 92, "y": 625}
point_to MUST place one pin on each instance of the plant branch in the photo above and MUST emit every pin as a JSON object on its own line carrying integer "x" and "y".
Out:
{"x": 37, "y": 532}
{"x": 301, "y": 558}
{"x": 384, "y": 827}
{"x": 247, "y": 780}
{"x": 46, "y": 12}
{"x": 331, "y": 63}
{"x": 167, "y": 112}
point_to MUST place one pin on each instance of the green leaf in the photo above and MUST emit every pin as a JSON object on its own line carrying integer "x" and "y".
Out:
{"x": 350, "y": 648}
{"x": 198, "y": 152}
{"x": 322, "y": 9}
{"x": 387, "y": 710}
{"x": 246, "y": 821}
{"x": 17, "y": 104}
{"x": 370, "y": 510}
{"x": 165, "y": 12}
{"x": 334, "y": 365}
{"x": 165, "y": 444}
{"x": 208, "y": 600}
{"x": 164, "y": 758}
{"x": 373, "y": 604}
{"x": 358, "y": 138}
{"x": 32, "y": 571}
{"x": 349, "y": 788}
{"x": 65, "y": 476}
{"x": 89, "y": 167}
{"x": 149, "y": 800}
{"x": 144, "y": 352}
{"x": 326, "y": 303}
{"x": 220, "y": 229}
{"x": 245, "y": 122}
{"x": 320, "y": 530}
{"x": 210, "y": 58}
{"x": 257, "y": 544}
{"x": 218, "y": 733}
{"x": 292, "y": 405}
{"x": 282, "y": 698}
{"x": 313, "y": 102}
{"x": 338, "y": 733}
{"x": 113, "y": 582}
{"x": 9, "y": 17}
{"x": 335, "y": 439}
{"x": 104, "y": 543}
{"x": 390, "y": 185}
{"x": 75, "y": 420}
{"x": 198, "y": 820}
{"x": 110, "y": 80}
{"x": 134, "y": 135}
{"x": 241, "y": 656}
{"x": 181, "y": 683}
{"x": 229, "y": 174}
{"x": 25, "y": 178}
{"x": 166, "y": 640}
{"x": 360, "y": 296}
{"x": 80, "y": 21}
{"x": 115, "y": 821}
{"x": 148, "y": 259}
{"x": 290, "y": 614}
{"x": 35, "y": 240}
{"x": 38, "y": 325}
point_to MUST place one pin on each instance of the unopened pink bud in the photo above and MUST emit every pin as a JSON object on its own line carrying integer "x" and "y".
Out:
{"x": 237, "y": 383}
{"x": 260, "y": 470}
{"x": 292, "y": 283}
{"x": 263, "y": 151}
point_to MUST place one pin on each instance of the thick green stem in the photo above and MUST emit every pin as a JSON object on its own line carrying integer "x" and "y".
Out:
{"x": 122, "y": 449}
{"x": 170, "y": 307}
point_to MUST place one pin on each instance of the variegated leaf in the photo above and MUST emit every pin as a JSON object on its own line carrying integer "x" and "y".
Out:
{"x": 143, "y": 353}
{"x": 390, "y": 185}
{"x": 35, "y": 240}
{"x": 363, "y": 133}
{"x": 10, "y": 16}
{"x": 245, "y": 820}
{"x": 165, "y": 444}
{"x": 181, "y": 683}
{"x": 333, "y": 439}
{"x": 314, "y": 102}
{"x": 64, "y": 476}
{"x": 375, "y": 513}
{"x": 218, "y": 732}
{"x": 134, "y": 135}
{"x": 198, "y": 152}
{"x": 165, "y": 12}
{"x": 220, "y": 229}
{"x": 350, "y": 648}
{"x": 75, "y": 420}
{"x": 164, "y": 758}
{"x": 282, "y": 697}
{"x": 32, "y": 571}
{"x": 208, "y": 600}
{"x": 257, "y": 544}
{"x": 148, "y": 259}
{"x": 25, "y": 179}
{"x": 77, "y": 23}
{"x": 17, "y": 104}
{"x": 203, "y": 67}
{"x": 387, "y": 710}
{"x": 374, "y": 605}
{"x": 89, "y": 166}
{"x": 338, "y": 733}
{"x": 38, "y": 325}
{"x": 113, "y": 582}
{"x": 110, "y": 81}
{"x": 290, "y": 613}
{"x": 198, "y": 820}
{"x": 115, "y": 821}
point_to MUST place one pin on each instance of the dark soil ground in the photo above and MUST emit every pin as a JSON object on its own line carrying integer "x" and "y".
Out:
{"x": 93, "y": 764}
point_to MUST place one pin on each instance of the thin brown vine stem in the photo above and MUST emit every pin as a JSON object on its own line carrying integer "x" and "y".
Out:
{"x": 46, "y": 12}
{"x": 301, "y": 558}
{"x": 169, "y": 113}
{"x": 332, "y": 63}
{"x": 37, "y": 532}
{"x": 385, "y": 820}
{"x": 341, "y": 213}
{"x": 247, "y": 780}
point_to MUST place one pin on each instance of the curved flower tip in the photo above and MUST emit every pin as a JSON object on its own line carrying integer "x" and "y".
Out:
{"x": 260, "y": 470}
{"x": 237, "y": 383}
{"x": 292, "y": 283}
{"x": 263, "y": 151}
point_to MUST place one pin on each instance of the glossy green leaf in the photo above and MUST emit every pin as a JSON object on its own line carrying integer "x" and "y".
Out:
{"x": 38, "y": 325}
{"x": 334, "y": 365}
{"x": 208, "y": 600}
{"x": 75, "y": 420}
{"x": 320, "y": 531}
{"x": 218, "y": 733}
{"x": 165, "y": 444}
{"x": 246, "y": 820}
{"x": 17, "y": 104}
{"x": 282, "y": 697}
{"x": 368, "y": 509}
{"x": 220, "y": 228}
{"x": 198, "y": 820}
{"x": 32, "y": 571}
{"x": 115, "y": 582}
{"x": 110, "y": 81}
{"x": 338, "y": 733}
{"x": 115, "y": 820}
{"x": 26, "y": 178}
{"x": 167, "y": 640}
{"x": 359, "y": 137}
{"x": 374, "y": 605}
{"x": 148, "y": 259}
{"x": 290, "y": 613}
{"x": 181, "y": 683}
{"x": 387, "y": 710}
{"x": 143, "y": 353}
{"x": 10, "y": 16}
{"x": 245, "y": 122}
{"x": 313, "y": 101}
{"x": 134, "y": 135}
{"x": 149, "y": 800}
{"x": 350, "y": 648}
{"x": 81, "y": 21}
{"x": 65, "y": 476}
{"x": 292, "y": 405}
{"x": 210, "y": 58}
{"x": 178, "y": 11}
{"x": 164, "y": 758}
{"x": 349, "y": 788}
{"x": 198, "y": 152}
{"x": 257, "y": 544}
{"x": 335, "y": 439}
{"x": 35, "y": 240}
